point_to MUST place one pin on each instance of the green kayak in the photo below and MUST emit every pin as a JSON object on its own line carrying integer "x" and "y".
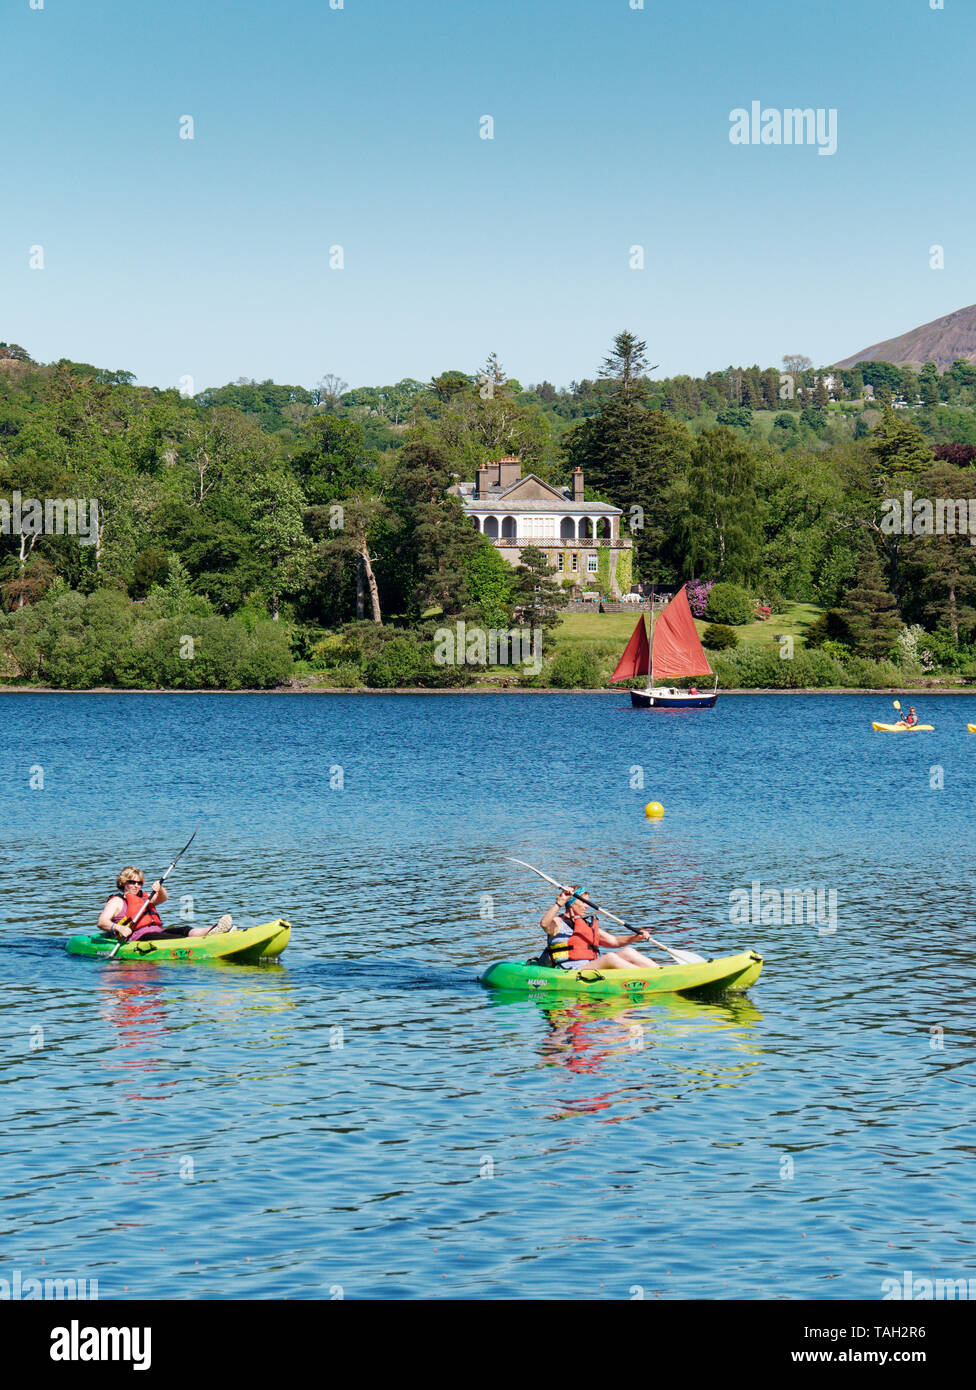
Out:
{"x": 724, "y": 972}
{"x": 254, "y": 943}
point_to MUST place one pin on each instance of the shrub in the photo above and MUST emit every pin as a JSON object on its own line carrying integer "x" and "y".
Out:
{"x": 344, "y": 676}
{"x": 758, "y": 668}
{"x": 735, "y": 416}
{"x": 872, "y": 675}
{"x": 720, "y": 638}
{"x": 401, "y": 662}
{"x": 575, "y": 668}
{"x": 76, "y": 642}
{"x": 729, "y": 604}
{"x": 829, "y": 625}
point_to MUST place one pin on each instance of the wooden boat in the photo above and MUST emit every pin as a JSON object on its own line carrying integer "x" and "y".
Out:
{"x": 673, "y": 650}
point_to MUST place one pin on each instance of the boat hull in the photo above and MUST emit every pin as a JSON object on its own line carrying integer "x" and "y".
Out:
{"x": 711, "y": 976}
{"x": 662, "y": 697}
{"x": 264, "y": 942}
{"x": 904, "y": 728}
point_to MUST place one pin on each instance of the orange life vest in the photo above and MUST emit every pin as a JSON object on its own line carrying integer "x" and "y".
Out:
{"x": 133, "y": 906}
{"x": 584, "y": 944}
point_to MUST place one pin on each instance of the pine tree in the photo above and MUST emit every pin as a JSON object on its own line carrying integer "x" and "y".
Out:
{"x": 540, "y": 594}
{"x": 626, "y": 365}
{"x": 870, "y": 611}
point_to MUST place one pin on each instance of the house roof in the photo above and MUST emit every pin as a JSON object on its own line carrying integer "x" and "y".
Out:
{"x": 560, "y": 507}
{"x": 554, "y": 499}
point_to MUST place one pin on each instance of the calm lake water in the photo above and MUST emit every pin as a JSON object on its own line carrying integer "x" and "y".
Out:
{"x": 366, "y": 1117}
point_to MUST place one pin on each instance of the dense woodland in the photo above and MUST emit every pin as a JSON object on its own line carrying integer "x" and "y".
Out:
{"x": 291, "y": 529}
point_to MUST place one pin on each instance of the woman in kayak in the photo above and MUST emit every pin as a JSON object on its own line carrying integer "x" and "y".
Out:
{"x": 575, "y": 938}
{"x": 124, "y": 906}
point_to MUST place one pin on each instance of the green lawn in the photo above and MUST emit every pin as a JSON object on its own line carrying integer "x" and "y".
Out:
{"x": 612, "y": 630}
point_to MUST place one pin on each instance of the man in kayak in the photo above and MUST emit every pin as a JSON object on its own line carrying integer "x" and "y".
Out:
{"x": 910, "y": 718}
{"x": 575, "y": 938}
{"x": 124, "y": 907}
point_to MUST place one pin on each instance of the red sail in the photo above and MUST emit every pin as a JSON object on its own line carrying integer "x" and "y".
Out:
{"x": 677, "y": 650}
{"x": 636, "y": 658}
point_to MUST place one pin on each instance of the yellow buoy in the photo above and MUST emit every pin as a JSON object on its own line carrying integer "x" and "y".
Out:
{"x": 653, "y": 810}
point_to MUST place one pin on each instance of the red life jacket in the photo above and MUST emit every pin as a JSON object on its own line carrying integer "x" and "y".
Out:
{"x": 133, "y": 906}
{"x": 584, "y": 944}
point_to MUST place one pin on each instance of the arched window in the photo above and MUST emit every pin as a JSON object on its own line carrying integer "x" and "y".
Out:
{"x": 491, "y": 527}
{"x": 508, "y": 528}
{"x": 476, "y": 523}
{"x": 567, "y": 528}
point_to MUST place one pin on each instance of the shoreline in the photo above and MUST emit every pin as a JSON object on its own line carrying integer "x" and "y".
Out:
{"x": 924, "y": 693}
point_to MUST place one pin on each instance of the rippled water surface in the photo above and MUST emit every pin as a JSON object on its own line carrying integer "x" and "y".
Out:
{"x": 366, "y": 1116}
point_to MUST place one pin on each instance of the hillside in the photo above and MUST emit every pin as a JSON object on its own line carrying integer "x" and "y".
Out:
{"x": 943, "y": 341}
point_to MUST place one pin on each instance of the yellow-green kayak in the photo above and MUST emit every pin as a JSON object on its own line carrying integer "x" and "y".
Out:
{"x": 725, "y": 972}
{"x": 253, "y": 943}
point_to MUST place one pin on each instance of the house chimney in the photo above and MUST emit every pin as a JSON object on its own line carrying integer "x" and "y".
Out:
{"x": 509, "y": 470}
{"x": 577, "y": 495}
{"x": 481, "y": 480}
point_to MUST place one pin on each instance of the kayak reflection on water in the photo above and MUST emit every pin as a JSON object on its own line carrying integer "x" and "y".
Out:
{"x": 574, "y": 938}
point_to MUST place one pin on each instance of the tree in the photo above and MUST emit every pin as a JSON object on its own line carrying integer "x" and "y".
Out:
{"x": 491, "y": 582}
{"x": 450, "y": 384}
{"x": 942, "y": 568}
{"x": 333, "y": 459}
{"x": 435, "y": 535}
{"x": 626, "y": 365}
{"x": 361, "y": 515}
{"x": 869, "y": 611}
{"x": 331, "y": 389}
{"x": 540, "y": 595}
{"x": 795, "y": 363}
{"x": 716, "y": 508}
{"x": 279, "y": 534}
{"x": 492, "y": 380}
{"x": 633, "y": 457}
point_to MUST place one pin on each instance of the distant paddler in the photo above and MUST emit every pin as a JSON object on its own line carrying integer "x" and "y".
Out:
{"x": 574, "y": 938}
{"x": 907, "y": 721}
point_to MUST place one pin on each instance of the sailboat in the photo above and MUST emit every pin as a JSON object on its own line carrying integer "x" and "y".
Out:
{"x": 674, "y": 650}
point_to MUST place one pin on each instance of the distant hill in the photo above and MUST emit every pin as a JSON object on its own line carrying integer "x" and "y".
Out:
{"x": 942, "y": 341}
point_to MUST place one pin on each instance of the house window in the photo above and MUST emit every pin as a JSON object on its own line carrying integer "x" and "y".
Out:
{"x": 592, "y": 564}
{"x": 575, "y": 561}
{"x": 560, "y": 560}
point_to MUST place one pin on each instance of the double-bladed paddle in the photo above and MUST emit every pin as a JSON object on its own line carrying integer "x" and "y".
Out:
{"x": 682, "y": 957}
{"x": 149, "y": 897}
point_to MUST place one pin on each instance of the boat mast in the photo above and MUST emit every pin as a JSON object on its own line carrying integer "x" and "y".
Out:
{"x": 650, "y": 668}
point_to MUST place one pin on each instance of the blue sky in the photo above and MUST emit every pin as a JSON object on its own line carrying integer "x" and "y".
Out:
{"x": 359, "y": 127}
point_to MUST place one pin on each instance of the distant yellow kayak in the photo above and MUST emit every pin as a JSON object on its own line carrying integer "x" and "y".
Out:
{"x": 909, "y": 728}
{"x": 971, "y": 728}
